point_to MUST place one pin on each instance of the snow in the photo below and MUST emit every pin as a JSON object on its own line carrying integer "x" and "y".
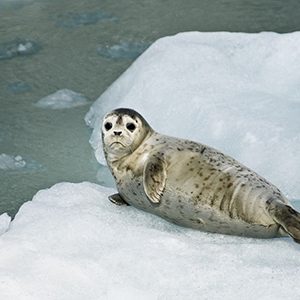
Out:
{"x": 18, "y": 47}
{"x": 62, "y": 99}
{"x": 123, "y": 50}
{"x": 10, "y": 162}
{"x": 4, "y": 222}
{"x": 70, "y": 242}
{"x": 237, "y": 92}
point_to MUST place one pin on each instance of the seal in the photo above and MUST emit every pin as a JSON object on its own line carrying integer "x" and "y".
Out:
{"x": 191, "y": 184}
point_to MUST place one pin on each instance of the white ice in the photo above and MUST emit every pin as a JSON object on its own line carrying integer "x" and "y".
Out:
{"x": 70, "y": 242}
{"x": 10, "y": 162}
{"x": 237, "y": 92}
{"x": 18, "y": 47}
{"x": 4, "y": 222}
{"x": 62, "y": 99}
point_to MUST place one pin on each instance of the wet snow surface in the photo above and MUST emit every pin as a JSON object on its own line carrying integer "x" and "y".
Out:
{"x": 70, "y": 242}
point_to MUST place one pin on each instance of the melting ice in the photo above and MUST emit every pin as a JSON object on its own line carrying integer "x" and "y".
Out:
{"x": 4, "y": 223}
{"x": 19, "y": 47}
{"x": 70, "y": 242}
{"x": 62, "y": 99}
{"x": 125, "y": 49}
{"x": 10, "y": 162}
{"x": 236, "y": 92}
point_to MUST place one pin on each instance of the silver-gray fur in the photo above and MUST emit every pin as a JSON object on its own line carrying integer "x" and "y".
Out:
{"x": 191, "y": 184}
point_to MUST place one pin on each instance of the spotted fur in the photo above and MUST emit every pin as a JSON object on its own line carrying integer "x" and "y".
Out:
{"x": 192, "y": 184}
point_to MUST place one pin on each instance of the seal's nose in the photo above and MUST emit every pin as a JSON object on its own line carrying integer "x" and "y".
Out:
{"x": 117, "y": 132}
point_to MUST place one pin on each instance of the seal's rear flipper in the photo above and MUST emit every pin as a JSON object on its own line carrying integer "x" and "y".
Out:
{"x": 286, "y": 216}
{"x": 117, "y": 199}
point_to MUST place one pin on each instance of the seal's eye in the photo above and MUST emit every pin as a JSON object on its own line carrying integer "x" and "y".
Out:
{"x": 130, "y": 126}
{"x": 108, "y": 126}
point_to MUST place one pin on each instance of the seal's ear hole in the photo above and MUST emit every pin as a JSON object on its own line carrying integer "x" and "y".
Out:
{"x": 130, "y": 126}
{"x": 108, "y": 126}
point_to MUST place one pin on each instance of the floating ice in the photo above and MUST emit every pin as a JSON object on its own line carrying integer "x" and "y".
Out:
{"x": 19, "y": 47}
{"x": 126, "y": 50}
{"x": 10, "y": 162}
{"x": 70, "y": 242}
{"x": 73, "y": 20}
{"x": 237, "y": 92}
{"x": 18, "y": 87}
{"x": 62, "y": 99}
{"x": 4, "y": 222}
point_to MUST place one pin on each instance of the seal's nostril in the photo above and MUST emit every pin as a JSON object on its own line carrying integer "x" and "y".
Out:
{"x": 117, "y": 132}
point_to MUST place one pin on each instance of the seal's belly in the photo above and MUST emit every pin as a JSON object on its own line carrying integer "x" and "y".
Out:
{"x": 206, "y": 210}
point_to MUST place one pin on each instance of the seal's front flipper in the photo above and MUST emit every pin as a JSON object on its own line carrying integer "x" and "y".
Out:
{"x": 154, "y": 178}
{"x": 117, "y": 199}
{"x": 286, "y": 216}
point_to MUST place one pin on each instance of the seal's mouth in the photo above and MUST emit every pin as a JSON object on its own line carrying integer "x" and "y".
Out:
{"x": 116, "y": 144}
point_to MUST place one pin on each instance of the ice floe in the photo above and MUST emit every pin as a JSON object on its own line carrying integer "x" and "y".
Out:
{"x": 10, "y": 162}
{"x": 18, "y": 47}
{"x": 70, "y": 242}
{"x": 4, "y": 222}
{"x": 62, "y": 99}
{"x": 123, "y": 50}
{"x": 237, "y": 92}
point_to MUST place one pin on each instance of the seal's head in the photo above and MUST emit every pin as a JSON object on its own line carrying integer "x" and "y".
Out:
{"x": 123, "y": 130}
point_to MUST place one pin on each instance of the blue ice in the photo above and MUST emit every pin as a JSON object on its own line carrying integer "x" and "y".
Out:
{"x": 123, "y": 50}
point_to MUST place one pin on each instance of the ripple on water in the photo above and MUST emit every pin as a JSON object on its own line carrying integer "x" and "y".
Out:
{"x": 73, "y": 20}
{"x": 18, "y": 87}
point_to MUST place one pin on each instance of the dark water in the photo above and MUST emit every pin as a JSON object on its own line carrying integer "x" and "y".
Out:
{"x": 84, "y": 46}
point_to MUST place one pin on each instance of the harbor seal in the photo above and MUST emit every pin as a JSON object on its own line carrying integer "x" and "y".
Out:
{"x": 191, "y": 184}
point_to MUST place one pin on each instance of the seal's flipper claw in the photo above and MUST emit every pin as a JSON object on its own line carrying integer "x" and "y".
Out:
{"x": 154, "y": 179}
{"x": 117, "y": 199}
{"x": 287, "y": 217}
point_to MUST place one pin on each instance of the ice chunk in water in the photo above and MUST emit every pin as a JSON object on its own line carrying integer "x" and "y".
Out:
{"x": 73, "y": 20}
{"x": 19, "y": 47}
{"x": 62, "y": 99}
{"x": 125, "y": 49}
{"x": 10, "y": 162}
{"x": 4, "y": 222}
{"x": 237, "y": 92}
